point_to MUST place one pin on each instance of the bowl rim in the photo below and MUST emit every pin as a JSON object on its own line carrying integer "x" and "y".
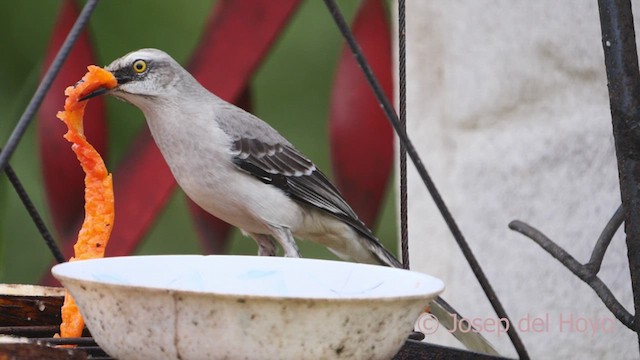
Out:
{"x": 55, "y": 270}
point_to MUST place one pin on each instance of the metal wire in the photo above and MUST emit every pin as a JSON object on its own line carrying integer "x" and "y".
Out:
{"x": 35, "y": 216}
{"x": 45, "y": 84}
{"x": 402, "y": 79}
{"x": 424, "y": 175}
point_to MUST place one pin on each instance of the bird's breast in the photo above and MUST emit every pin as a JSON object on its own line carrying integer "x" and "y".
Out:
{"x": 199, "y": 155}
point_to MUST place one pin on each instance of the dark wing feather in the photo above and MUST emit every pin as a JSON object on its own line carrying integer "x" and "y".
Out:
{"x": 285, "y": 167}
{"x": 273, "y": 160}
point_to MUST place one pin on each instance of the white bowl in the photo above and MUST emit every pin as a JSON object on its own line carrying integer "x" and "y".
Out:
{"x": 246, "y": 307}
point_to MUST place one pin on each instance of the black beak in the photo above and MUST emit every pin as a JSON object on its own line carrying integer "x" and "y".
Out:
{"x": 123, "y": 76}
{"x": 94, "y": 93}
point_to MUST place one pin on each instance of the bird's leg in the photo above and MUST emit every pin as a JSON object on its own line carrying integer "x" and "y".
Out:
{"x": 266, "y": 245}
{"x": 284, "y": 237}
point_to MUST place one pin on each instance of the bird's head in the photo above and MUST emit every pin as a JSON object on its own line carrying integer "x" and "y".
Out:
{"x": 143, "y": 75}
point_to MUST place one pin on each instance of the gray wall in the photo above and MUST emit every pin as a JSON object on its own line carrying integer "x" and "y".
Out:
{"x": 508, "y": 106}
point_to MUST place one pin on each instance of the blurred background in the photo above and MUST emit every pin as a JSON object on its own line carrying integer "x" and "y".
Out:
{"x": 291, "y": 91}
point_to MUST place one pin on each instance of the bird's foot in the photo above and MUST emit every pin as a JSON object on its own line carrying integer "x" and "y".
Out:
{"x": 266, "y": 245}
{"x": 285, "y": 239}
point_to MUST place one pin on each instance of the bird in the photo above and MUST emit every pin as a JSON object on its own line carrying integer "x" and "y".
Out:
{"x": 240, "y": 169}
{"x": 237, "y": 167}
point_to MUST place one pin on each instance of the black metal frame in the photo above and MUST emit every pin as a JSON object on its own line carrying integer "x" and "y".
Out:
{"x": 618, "y": 40}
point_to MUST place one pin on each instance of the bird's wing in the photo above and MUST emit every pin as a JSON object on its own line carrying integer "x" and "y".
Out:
{"x": 261, "y": 151}
{"x": 283, "y": 166}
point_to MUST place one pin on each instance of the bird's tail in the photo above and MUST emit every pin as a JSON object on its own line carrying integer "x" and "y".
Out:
{"x": 468, "y": 336}
{"x": 445, "y": 313}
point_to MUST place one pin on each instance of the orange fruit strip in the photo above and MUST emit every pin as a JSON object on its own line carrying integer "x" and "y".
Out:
{"x": 99, "y": 204}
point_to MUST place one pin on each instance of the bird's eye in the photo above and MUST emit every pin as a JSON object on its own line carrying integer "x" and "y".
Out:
{"x": 139, "y": 66}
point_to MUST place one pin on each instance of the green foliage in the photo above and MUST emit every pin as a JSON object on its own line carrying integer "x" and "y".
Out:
{"x": 290, "y": 91}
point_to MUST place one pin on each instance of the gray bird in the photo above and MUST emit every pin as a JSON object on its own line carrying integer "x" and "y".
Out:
{"x": 241, "y": 170}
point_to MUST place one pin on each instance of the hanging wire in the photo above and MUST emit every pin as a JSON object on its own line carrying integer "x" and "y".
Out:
{"x": 45, "y": 84}
{"x": 402, "y": 79}
{"x": 33, "y": 212}
{"x": 426, "y": 178}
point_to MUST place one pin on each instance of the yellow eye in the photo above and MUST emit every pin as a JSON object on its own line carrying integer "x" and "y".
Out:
{"x": 139, "y": 66}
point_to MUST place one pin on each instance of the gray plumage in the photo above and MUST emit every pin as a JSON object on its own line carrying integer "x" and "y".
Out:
{"x": 210, "y": 144}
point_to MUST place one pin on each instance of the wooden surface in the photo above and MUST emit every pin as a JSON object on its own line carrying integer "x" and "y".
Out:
{"x": 19, "y": 310}
{"x": 33, "y": 351}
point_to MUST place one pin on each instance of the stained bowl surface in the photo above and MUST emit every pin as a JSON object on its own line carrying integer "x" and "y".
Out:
{"x": 246, "y": 307}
